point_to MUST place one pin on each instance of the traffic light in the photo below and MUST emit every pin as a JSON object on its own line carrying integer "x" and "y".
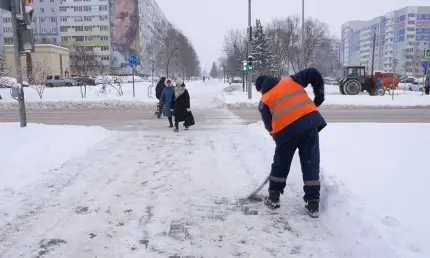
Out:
{"x": 28, "y": 12}
{"x": 244, "y": 66}
{"x": 250, "y": 60}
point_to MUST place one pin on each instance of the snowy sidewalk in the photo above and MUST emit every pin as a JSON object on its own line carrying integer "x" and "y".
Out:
{"x": 160, "y": 194}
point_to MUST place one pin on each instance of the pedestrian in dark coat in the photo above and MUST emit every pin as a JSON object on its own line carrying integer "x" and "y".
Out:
{"x": 294, "y": 122}
{"x": 159, "y": 88}
{"x": 181, "y": 104}
{"x": 166, "y": 100}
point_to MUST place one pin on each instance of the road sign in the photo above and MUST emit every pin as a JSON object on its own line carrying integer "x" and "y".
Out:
{"x": 424, "y": 63}
{"x": 132, "y": 60}
{"x": 427, "y": 53}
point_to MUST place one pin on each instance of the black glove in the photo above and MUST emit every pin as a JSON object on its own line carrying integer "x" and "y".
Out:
{"x": 318, "y": 100}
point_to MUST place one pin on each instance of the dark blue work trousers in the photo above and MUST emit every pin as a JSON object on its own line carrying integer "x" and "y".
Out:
{"x": 309, "y": 153}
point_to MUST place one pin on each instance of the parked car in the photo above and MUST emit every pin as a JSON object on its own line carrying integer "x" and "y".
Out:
{"x": 236, "y": 80}
{"x": 60, "y": 81}
{"x": 416, "y": 86}
{"x": 85, "y": 80}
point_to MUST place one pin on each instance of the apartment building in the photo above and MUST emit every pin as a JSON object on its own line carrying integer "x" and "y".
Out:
{"x": 401, "y": 35}
{"x": 113, "y": 29}
{"x": 85, "y": 23}
{"x": 152, "y": 23}
{"x": 46, "y": 24}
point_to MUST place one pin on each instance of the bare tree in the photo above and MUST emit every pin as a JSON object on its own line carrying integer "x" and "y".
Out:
{"x": 315, "y": 31}
{"x": 37, "y": 77}
{"x": 84, "y": 62}
{"x": 234, "y": 51}
{"x": 280, "y": 35}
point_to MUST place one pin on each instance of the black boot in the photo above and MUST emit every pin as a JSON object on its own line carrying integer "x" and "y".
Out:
{"x": 272, "y": 201}
{"x": 313, "y": 208}
{"x": 170, "y": 122}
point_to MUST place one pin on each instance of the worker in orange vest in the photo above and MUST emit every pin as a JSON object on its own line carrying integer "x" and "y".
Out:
{"x": 294, "y": 122}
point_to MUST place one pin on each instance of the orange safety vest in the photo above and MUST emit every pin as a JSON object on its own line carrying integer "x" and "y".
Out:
{"x": 287, "y": 101}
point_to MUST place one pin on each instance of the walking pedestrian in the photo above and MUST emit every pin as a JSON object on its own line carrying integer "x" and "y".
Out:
{"x": 166, "y": 100}
{"x": 181, "y": 104}
{"x": 159, "y": 88}
{"x": 294, "y": 122}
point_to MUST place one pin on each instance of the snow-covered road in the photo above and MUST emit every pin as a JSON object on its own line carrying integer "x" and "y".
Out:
{"x": 160, "y": 194}
{"x": 150, "y": 192}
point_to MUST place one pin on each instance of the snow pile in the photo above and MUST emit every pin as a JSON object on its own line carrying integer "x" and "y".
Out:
{"x": 70, "y": 97}
{"x": 28, "y": 156}
{"x": 234, "y": 97}
{"x": 374, "y": 188}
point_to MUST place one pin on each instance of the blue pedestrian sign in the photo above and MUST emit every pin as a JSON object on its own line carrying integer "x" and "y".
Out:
{"x": 132, "y": 60}
{"x": 427, "y": 53}
{"x": 424, "y": 63}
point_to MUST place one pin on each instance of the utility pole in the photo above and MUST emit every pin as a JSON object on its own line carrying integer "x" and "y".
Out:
{"x": 302, "y": 63}
{"x": 249, "y": 47}
{"x": 21, "y": 15}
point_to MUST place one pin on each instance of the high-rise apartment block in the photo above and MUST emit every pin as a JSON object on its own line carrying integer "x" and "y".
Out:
{"x": 401, "y": 35}
{"x": 112, "y": 29}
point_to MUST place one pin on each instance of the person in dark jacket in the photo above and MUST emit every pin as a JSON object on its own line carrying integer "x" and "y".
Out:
{"x": 181, "y": 104}
{"x": 294, "y": 122}
{"x": 166, "y": 100}
{"x": 159, "y": 88}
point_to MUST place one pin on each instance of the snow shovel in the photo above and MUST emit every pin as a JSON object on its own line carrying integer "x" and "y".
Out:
{"x": 253, "y": 195}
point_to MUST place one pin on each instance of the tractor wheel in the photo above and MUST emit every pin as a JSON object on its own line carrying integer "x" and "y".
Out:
{"x": 379, "y": 91}
{"x": 352, "y": 87}
{"x": 341, "y": 89}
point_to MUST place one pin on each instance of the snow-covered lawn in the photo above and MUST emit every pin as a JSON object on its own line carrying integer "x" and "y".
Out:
{"x": 95, "y": 97}
{"x": 233, "y": 96}
{"x": 375, "y": 186}
{"x": 163, "y": 194}
{"x": 32, "y": 155}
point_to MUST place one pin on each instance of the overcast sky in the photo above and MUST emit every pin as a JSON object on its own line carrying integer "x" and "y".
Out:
{"x": 205, "y": 22}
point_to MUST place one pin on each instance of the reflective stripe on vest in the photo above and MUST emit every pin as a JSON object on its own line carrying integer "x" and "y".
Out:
{"x": 287, "y": 101}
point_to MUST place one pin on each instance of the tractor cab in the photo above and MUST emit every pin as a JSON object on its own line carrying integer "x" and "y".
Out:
{"x": 355, "y": 72}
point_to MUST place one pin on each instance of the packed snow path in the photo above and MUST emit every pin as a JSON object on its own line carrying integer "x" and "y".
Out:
{"x": 157, "y": 193}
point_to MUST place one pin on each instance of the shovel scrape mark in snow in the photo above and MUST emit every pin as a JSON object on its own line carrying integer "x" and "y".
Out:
{"x": 144, "y": 242}
{"x": 81, "y": 210}
{"x": 296, "y": 250}
{"x": 178, "y": 256}
{"x": 178, "y": 230}
{"x": 48, "y": 245}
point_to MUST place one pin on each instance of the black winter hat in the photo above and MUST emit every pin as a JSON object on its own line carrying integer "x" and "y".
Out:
{"x": 259, "y": 81}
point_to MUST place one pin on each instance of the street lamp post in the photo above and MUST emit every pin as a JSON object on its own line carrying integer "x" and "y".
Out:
{"x": 243, "y": 71}
{"x": 303, "y": 36}
{"x": 249, "y": 46}
{"x": 168, "y": 61}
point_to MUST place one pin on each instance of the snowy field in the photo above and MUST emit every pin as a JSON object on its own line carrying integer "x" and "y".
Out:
{"x": 236, "y": 98}
{"x": 228, "y": 96}
{"x": 83, "y": 192}
{"x": 71, "y": 97}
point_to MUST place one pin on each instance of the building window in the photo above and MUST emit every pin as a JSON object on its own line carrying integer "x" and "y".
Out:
{"x": 103, "y": 37}
{"x": 78, "y": 18}
{"x": 54, "y": 40}
{"x": 104, "y": 48}
{"x": 77, "y": 8}
{"x": 102, "y": 8}
{"x": 64, "y": 38}
{"x": 63, "y": 28}
{"x": 63, "y": 19}
{"x": 87, "y": 8}
{"x": 79, "y": 28}
{"x": 52, "y": 10}
{"x": 42, "y": 10}
{"x": 88, "y": 18}
{"x": 88, "y": 28}
{"x": 104, "y": 28}
{"x": 53, "y": 19}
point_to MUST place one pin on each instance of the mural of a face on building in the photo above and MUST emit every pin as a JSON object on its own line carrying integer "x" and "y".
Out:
{"x": 124, "y": 30}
